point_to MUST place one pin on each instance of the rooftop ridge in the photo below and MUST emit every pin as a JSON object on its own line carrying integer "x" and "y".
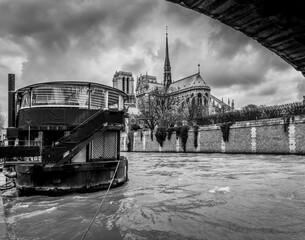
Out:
{"x": 125, "y": 72}
{"x": 187, "y": 77}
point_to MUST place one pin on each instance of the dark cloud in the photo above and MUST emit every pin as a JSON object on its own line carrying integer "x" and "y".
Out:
{"x": 56, "y": 36}
{"x": 182, "y": 16}
{"x": 268, "y": 91}
{"x": 244, "y": 80}
{"x": 277, "y": 63}
{"x": 300, "y": 87}
{"x": 24, "y": 18}
{"x": 89, "y": 40}
{"x": 7, "y": 50}
{"x": 135, "y": 66}
{"x": 248, "y": 70}
{"x": 178, "y": 49}
{"x": 49, "y": 21}
{"x": 3, "y": 66}
{"x": 154, "y": 52}
{"x": 227, "y": 42}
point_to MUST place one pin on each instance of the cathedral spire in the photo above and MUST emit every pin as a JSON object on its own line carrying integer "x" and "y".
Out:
{"x": 167, "y": 66}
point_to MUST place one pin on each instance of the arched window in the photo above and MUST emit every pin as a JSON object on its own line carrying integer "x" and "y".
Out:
{"x": 123, "y": 84}
{"x": 193, "y": 102}
{"x": 199, "y": 95}
{"x": 127, "y": 85}
{"x": 205, "y": 102}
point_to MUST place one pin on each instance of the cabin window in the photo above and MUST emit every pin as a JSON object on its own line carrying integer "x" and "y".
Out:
{"x": 64, "y": 95}
{"x": 113, "y": 100}
{"x": 98, "y": 98}
{"x": 26, "y": 99}
{"x": 43, "y": 96}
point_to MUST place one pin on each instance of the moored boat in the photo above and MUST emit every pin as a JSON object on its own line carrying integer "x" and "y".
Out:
{"x": 64, "y": 137}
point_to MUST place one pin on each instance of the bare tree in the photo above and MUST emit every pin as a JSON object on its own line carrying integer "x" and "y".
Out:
{"x": 2, "y": 118}
{"x": 191, "y": 111}
{"x": 159, "y": 108}
{"x": 250, "y": 107}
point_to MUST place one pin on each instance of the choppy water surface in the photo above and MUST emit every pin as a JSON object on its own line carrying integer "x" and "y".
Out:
{"x": 177, "y": 196}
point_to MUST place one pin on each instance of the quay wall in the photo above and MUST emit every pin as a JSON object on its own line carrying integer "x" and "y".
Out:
{"x": 269, "y": 136}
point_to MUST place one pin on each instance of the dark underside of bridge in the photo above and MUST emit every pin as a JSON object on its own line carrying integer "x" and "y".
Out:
{"x": 276, "y": 24}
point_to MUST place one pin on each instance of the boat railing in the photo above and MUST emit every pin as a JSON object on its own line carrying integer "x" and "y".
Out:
{"x": 20, "y": 151}
{"x": 17, "y": 142}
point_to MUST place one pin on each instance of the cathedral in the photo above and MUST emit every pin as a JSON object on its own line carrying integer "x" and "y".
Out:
{"x": 191, "y": 90}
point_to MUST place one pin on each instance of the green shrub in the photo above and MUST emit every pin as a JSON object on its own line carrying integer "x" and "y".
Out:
{"x": 184, "y": 135}
{"x": 135, "y": 127}
{"x": 177, "y": 129}
{"x": 161, "y": 135}
{"x": 169, "y": 132}
{"x": 225, "y": 129}
{"x": 196, "y": 136}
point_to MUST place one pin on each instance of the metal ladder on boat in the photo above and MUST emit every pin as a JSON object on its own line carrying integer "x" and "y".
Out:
{"x": 68, "y": 146}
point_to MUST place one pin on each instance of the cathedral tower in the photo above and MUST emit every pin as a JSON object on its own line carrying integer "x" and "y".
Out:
{"x": 167, "y": 66}
{"x": 124, "y": 81}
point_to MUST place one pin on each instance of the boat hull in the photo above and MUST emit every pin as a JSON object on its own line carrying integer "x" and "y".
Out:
{"x": 73, "y": 177}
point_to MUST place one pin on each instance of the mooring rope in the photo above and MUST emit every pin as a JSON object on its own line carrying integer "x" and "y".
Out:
{"x": 12, "y": 181}
{"x": 99, "y": 208}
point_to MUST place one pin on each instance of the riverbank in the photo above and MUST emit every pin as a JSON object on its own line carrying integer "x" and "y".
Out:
{"x": 269, "y": 136}
{"x": 3, "y": 229}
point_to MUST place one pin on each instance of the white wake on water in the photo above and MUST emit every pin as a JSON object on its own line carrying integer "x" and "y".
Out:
{"x": 32, "y": 214}
{"x": 220, "y": 190}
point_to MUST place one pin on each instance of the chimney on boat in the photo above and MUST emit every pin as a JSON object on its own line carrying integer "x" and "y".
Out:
{"x": 11, "y": 100}
{"x": 12, "y": 131}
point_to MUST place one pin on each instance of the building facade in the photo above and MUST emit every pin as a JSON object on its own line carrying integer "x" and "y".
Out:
{"x": 124, "y": 81}
{"x": 192, "y": 91}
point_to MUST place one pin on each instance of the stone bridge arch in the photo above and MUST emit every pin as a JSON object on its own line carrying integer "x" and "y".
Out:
{"x": 277, "y": 25}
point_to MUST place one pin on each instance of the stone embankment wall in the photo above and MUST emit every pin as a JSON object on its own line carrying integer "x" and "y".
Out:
{"x": 260, "y": 136}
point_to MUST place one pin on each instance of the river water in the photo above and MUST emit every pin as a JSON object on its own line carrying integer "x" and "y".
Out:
{"x": 177, "y": 196}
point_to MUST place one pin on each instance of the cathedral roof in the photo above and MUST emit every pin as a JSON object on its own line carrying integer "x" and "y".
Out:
{"x": 152, "y": 86}
{"x": 191, "y": 81}
{"x": 146, "y": 86}
{"x": 122, "y": 73}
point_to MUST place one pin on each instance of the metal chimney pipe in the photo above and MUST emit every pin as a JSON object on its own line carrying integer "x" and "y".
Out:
{"x": 11, "y": 100}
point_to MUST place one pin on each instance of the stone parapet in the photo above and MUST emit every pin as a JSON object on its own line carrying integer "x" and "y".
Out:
{"x": 270, "y": 136}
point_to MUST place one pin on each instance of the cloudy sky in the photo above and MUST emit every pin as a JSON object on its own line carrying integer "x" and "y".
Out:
{"x": 42, "y": 40}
